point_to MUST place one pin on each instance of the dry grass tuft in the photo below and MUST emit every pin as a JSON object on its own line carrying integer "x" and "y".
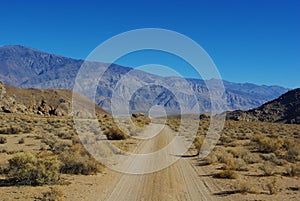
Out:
{"x": 272, "y": 187}
{"x": 245, "y": 187}
{"x": 226, "y": 174}
{"x": 268, "y": 168}
{"x": 55, "y": 194}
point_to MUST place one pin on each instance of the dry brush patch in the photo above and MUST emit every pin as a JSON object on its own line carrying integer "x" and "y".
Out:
{"x": 255, "y": 153}
{"x": 29, "y": 169}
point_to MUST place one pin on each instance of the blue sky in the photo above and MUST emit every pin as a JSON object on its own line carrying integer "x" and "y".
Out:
{"x": 249, "y": 41}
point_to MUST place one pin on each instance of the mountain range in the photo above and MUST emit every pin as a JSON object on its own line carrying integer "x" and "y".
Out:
{"x": 30, "y": 68}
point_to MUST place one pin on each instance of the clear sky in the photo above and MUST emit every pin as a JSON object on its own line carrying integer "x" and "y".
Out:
{"x": 255, "y": 41}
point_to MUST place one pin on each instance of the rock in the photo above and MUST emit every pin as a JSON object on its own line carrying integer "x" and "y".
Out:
{"x": 6, "y": 110}
{"x": 203, "y": 116}
{"x": 137, "y": 115}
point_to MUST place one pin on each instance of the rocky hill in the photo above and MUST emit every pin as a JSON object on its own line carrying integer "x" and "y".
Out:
{"x": 29, "y": 68}
{"x": 285, "y": 109}
{"x": 40, "y": 102}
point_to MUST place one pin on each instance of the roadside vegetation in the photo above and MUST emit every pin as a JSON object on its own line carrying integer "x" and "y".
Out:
{"x": 251, "y": 157}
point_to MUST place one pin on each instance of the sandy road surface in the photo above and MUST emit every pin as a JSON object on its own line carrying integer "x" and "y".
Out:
{"x": 179, "y": 181}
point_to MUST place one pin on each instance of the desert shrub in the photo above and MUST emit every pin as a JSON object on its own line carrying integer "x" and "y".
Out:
{"x": 55, "y": 194}
{"x": 198, "y": 141}
{"x": 3, "y": 140}
{"x": 266, "y": 144}
{"x": 211, "y": 159}
{"x": 76, "y": 140}
{"x": 114, "y": 133}
{"x": 174, "y": 124}
{"x": 21, "y": 141}
{"x": 236, "y": 152}
{"x": 28, "y": 169}
{"x": 293, "y": 170}
{"x": 235, "y": 164}
{"x": 272, "y": 187}
{"x": 10, "y": 130}
{"x": 3, "y": 169}
{"x": 232, "y": 163}
{"x": 226, "y": 174}
{"x": 240, "y": 164}
{"x": 28, "y": 129}
{"x": 224, "y": 156}
{"x": 292, "y": 150}
{"x": 245, "y": 187}
{"x": 78, "y": 163}
{"x": 56, "y": 146}
{"x": 65, "y": 135}
{"x": 273, "y": 158}
{"x": 250, "y": 158}
{"x": 268, "y": 168}
{"x": 225, "y": 139}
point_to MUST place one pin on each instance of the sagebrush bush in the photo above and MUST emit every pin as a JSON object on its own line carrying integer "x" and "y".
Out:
{"x": 3, "y": 140}
{"x": 11, "y": 130}
{"x": 55, "y": 194}
{"x": 65, "y": 135}
{"x": 293, "y": 170}
{"x": 268, "y": 168}
{"x": 21, "y": 141}
{"x": 211, "y": 158}
{"x": 114, "y": 133}
{"x": 266, "y": 144}
{"x": 272, "y": 158}
{"x": 245, "y": 187}
{"x": 78, "y": 163}
{"x": 250, "y": 158}
{"x": 225, "y": 139}
{"x": 235, "y": 164}
{"x": 198, "y": 141}
{"x": 272, "y": 187}
{"x": 292, "y": 149}
{"x": 28, "y": 169}
{"x": 226, "y": 174}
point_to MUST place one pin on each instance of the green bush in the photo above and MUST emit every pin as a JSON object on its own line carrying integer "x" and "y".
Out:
{"x": 28, "y": 169}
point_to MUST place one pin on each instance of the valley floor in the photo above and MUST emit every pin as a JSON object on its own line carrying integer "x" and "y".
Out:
{"x": 187, "y": 179}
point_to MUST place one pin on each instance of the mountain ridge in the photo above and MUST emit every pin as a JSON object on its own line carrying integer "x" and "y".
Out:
{"x": 285, "y": 109}
{"x": 30, "y": 68}
{"x": 49, "y": 102}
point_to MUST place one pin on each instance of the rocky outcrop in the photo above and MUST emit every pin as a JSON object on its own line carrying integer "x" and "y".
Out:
{"x": 40, "y": 102}
{"x": 285, "y": 109}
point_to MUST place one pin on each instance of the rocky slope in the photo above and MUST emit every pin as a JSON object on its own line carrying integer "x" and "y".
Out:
{"x": 29, "y": 68}
{"x": 40, "y": 102}
{"x": 285, "y": 109}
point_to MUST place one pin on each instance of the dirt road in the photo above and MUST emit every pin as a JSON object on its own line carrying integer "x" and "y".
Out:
{"x": 180, "y": 181}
